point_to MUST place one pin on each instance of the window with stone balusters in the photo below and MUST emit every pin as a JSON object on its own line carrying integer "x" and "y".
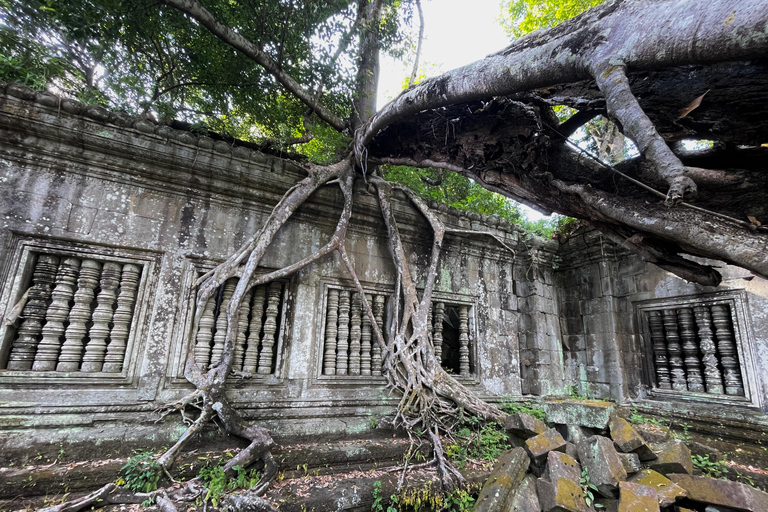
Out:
{"x": 259, "y": 328}
{"x": 349, "y": 342}
{"x": 72, "y": 314}
{"x": 698, "y": 347}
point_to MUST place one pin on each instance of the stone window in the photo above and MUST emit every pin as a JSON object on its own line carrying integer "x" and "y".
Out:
{"x": 259, "y": 330}
{"x": 71, "y": 313}
{"x": 452, "y": 337}
{"x": 698, "y": 347}
{"x": 349, "y": 343}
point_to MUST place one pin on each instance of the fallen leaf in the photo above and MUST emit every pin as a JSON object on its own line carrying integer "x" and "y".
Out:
{"x": 692, "y": 106}
{"x": 754, "y": 221}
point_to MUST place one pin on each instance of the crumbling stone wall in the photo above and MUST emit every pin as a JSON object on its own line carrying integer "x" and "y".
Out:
{"x": 95, "y": 189}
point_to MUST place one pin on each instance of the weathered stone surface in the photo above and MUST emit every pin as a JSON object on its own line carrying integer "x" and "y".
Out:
{"x": 507, "y": 473}
{"x": 576, "y": 433}
{"x": 607, "y": 504}
{"x": 538, "y": 446}
{"x": 722, "y": 492}
{"x": 586, "y": 413}
{"x": 565, "y": 496}
{"x": 605, "y": 468}
{"x": 667, "y": 491}
{"x": 628, "y": 440}
{"x": 673, "y": 457}
{"x": 560, "y": 465}
{"x": 637, "y": 498}
{"x": 653, "y": 433}
{"x": 524, "y": 425}
{"x": 525, "y": 498}
{"x": 631, "y": 462}
{"x": 570, "y": 449}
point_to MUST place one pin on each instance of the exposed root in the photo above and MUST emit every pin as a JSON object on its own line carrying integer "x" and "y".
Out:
{"x": 96, "y": 497}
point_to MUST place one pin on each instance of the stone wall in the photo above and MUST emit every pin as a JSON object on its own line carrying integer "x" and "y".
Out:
{"x": 99, "y": 203}
{"x": 716, "y": 338}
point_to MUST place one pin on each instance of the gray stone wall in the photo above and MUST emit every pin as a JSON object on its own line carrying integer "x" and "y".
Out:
{"x": 603, "y": 293}
{"x": 83, "y": 183}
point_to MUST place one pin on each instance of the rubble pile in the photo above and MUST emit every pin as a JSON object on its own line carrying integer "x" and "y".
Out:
{"x": 594, "y": 460}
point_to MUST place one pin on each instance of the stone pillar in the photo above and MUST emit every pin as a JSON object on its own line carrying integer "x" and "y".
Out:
{"x": 121, "y": 321}
{"x": 437, "y": 333}
{"x": 464, "y": 341}
{"x": 242, "y": 328}
{"x": 673, "y": 348}
{"x": 691, "y": 350}
{"x": 251, "y": 358}
{"x": 354, "y": 336}
{"x": 220, "y": 335}
{"x": 712, "y": 378}
{"x": 378, "y": 315}
{"x": 64, "y": 289}
{"x": 93, "y": 359}
{"x": 74, "y": 337}
{"x": 204, "y": 336}
{"x": 331, "y": 325}
{"x": 267, "y": 353}
{"x": 365, "y": 336}
{"x": 659, "y": 350}
{"x": 726, "y": 347}
{"x": 342, "y": 342}
{"x": 24, "y": 347}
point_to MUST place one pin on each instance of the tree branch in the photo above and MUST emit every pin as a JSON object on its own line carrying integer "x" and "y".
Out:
{"x": 196, "y": 10}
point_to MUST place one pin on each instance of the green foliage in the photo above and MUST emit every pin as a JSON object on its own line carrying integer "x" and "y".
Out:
{"x": 141, "y": 473}
{"x": 477, "y": 439}
{"x": 511, "y": 407}
{"x": 424, "y": 499}
{"x": 217, "y": 482}
{"x": 587, "y": 487}
{"x": 520, "y": 17}
{"x": 710, "y": 468}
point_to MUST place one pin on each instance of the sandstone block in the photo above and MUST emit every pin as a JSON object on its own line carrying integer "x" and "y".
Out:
{"x": 653, "y": 433}
{"x": 637, "y": 498}
{"x": 627, "y": 440}
{"x": 673, "y": 457}
{"x": 667, "y": 491}
{"x": 586, "y": 413}
{"x": 723, "y": 493}
{"x": 598, "y": 455}
{"x": 565, "y": 496}
{"x": 538, "y": 446}
{"x": 631, "y": 462}
{"x": 524, "y": 425}
{"x": 525, "y": 498}
{"x": 560, "y": 465}
{"x": 507, "y": 473}
{"x": 570, "y": 449}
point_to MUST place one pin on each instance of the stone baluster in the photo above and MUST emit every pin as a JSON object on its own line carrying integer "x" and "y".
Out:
{"x": 354, "y": 336}
{"x": 713, "y": 381}
{"x": 93, "y": 359}
{"x": 437, "y": 333}
{"x": 270, "y": 329}
{"x": 365, "y": 340}
{"x": 251, "y": 359}
{"x": 204, "y": 337}
{"x": 242, "y": 327}
{"x": 74, "y": 337}
{"x": 220, "y": 335}
{"x": 726, "y": 347}
{"x": 121, "y": 321}
{"x": 464, "y": 341}
{"x": 342, "y": 339}
{"x": 659, "y": 350}
{"x": 64, "y": 289}
{"x": 331, "y": 319}
{"x": 378, "y": 315}
{"x": 691, "y": 350}
{"x": 25, "y": 345}
{"x": 675, "y": 351}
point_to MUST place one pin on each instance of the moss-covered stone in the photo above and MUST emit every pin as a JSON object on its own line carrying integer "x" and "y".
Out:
{"x": 627, "y": 440}
{"x": 562, "y": 496}
{"x": 538, "y": 446}
{"x": 524, "y": 425}
{"x": 507, "y": 473}
{"x": 673, "y": 457}
{"x": 723, "y": 493}
{"x": 586, "y": 413}
{"x": 598, "y": 455}
{"x": 667, "y": 491}
{"x": 637, "y": 498}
